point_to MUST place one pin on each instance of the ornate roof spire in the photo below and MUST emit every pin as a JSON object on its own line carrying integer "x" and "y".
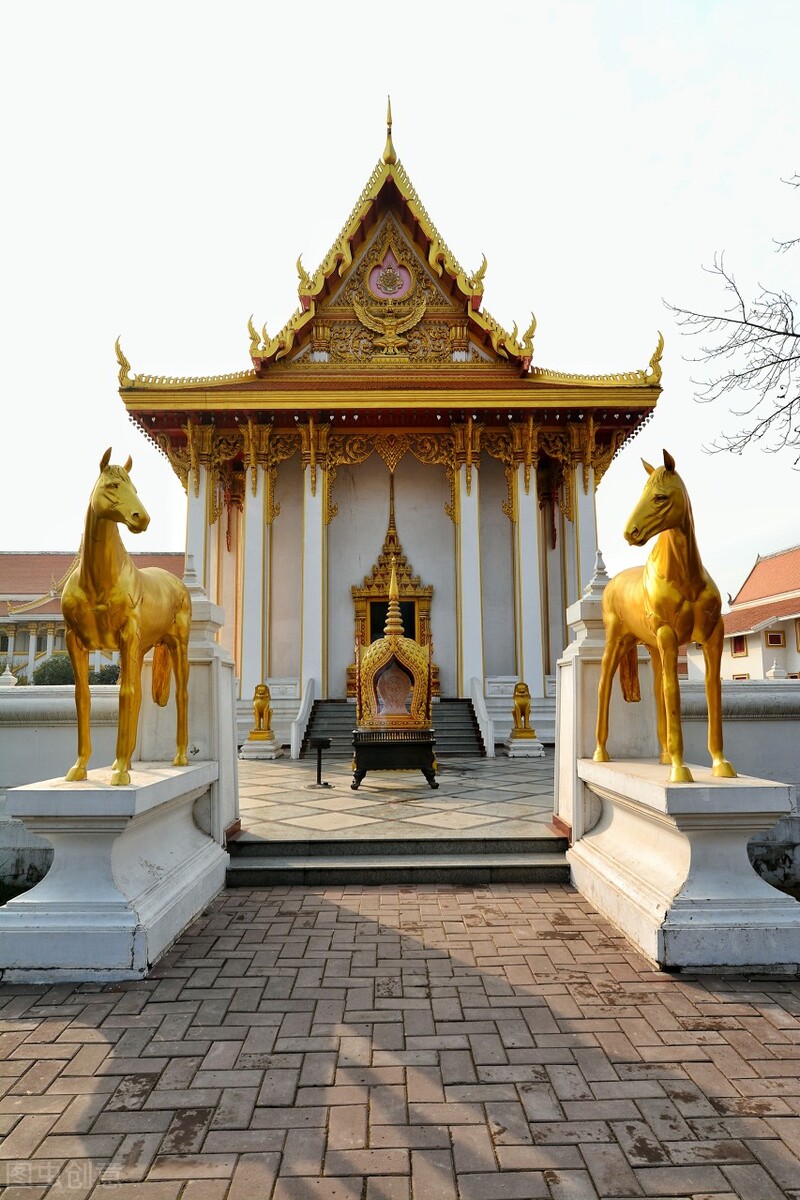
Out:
{"x": 394, "y": 621}
{"x": 392, "y": 527}
{"x": 389, "y": 155}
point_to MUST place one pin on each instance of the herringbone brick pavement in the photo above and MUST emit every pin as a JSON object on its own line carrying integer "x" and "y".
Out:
{"x": 401, "y": 1043}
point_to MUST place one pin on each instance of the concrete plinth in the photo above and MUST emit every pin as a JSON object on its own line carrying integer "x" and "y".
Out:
{"x": 668, "y": 864}
{"x": 131, "y": 869}
{"x": 258, "y": 746}
{"x": 523, "y": 746}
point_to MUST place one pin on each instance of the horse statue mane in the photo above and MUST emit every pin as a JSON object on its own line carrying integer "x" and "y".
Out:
{"x": 668, "y": 603}
{"x": 110, "y": 604}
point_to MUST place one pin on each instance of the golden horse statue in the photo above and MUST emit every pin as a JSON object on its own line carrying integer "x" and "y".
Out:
{"x": 666, "y": 604}
{"x": 109, "y": 604}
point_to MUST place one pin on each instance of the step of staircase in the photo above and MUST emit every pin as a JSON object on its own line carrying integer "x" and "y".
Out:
{"x": 259, "y": 863}
{"x": 455, "y": 728}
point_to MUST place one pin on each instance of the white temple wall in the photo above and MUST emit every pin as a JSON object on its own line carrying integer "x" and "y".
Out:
{"x": 228, "y": 582}
{"x": 212, "y": 562}
{"x": 355, "y": 537}
{"x": 556, "y": 595}
{"x": 497, "y": 572}
{"x": 284, "y": 609}
{"x": 571, "y": 551}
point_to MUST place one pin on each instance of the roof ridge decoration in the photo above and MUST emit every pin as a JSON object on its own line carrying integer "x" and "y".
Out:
{"x": 648, "y": 377}
{"x": 129, "y": 380}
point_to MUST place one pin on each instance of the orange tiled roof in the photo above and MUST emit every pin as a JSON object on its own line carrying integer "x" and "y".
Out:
{"x": 25, "y": 575}
{"x": 743, "y": 620}
{"x": 772, "y": 575}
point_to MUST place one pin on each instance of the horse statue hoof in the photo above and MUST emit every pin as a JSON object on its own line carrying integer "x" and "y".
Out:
{"x": 681, "y": 775}
{"x": 120, "y": 778}
{"x": 180, "y": 760}
{"x": 601, "y": 755}
{"x": 74, "y": 774}
{"x": 723, "y": 770}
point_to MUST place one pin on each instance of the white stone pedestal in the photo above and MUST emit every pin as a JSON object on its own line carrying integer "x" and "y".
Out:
{"x": 212, "y": 714}
{"x": 524, "y": 747}
{"x": 131, "y": 869}
{"x": 633, "y": 731}
{"x": 261, "y": 748}
{"x": 667, "y": 863}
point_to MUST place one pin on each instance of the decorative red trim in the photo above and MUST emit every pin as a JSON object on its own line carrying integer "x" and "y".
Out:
{"x": 562, "y": 828}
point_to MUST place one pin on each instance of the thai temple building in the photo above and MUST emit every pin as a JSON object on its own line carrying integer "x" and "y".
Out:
{"x": 392, "y": 416}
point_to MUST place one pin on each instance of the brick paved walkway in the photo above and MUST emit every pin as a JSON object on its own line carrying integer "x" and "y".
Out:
{"x": 395, "y": 1043}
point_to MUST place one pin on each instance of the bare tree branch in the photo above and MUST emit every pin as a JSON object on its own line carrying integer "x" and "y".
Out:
{"x": 753, "y": 347}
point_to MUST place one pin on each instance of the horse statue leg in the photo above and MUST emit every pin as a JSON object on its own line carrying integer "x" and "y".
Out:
{"x": 661, "y": 711}
{"x": 130, "y": 700}
{"x": 617, "y": 643}
{"x": 668, "y": 649}
{"x": 79, "y": 657}
{"x": 712, "y": 654}
{"x": 179, "y": 652}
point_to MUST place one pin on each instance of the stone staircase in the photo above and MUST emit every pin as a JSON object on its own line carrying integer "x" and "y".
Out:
{"x": 454, "y": 724}
{"x": 456, "y": 729}
{"x": 256, "y": 863}
{"x": 334, "y": 719}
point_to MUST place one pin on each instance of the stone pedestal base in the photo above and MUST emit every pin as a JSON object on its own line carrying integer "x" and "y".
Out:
{"x": 523, "y": 747}
{"x": 261, "y": 748}
{"x": 131, "y": 870}
{"x": 667, "y": 863}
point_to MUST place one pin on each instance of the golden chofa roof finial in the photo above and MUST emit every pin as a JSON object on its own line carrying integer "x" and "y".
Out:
{"x": 394, "y": 621}
{"x": 389, "y": 155}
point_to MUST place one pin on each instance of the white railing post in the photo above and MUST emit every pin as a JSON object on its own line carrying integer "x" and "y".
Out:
{"x": 301, "y": 720}
{"x": 485, "y": 722}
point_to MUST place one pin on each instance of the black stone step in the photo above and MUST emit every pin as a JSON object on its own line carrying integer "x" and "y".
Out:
{"x": 374, "y": 868}
{"x": 260, "y": 862}
{"x": 249, "y": 845}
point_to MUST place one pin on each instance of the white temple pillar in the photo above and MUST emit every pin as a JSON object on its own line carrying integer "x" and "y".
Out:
{"x": 255, "y": 585}
{"x": 528, "y": 585}
{"x": 51, "y": 636}
{"x": 554, "y": 558}
{"x": 585, "y": 529}
{"x": 315, "y": 579}
{"x": 570, "y": 535}
{"x": 31, "y": 651}
{"x": 468, "y": 583}
{"x": 197, "y": 522}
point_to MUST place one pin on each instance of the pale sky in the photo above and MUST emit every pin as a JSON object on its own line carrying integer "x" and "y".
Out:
{"x": 165, "y": 163}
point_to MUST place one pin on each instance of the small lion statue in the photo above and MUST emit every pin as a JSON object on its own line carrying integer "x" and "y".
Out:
{"x": 522, "y": 709}
{"x": 261, "y": 710}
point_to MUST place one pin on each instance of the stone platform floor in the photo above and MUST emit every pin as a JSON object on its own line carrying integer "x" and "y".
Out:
{"x": 402, "y": 1043}
{"x": 476, "y": 797}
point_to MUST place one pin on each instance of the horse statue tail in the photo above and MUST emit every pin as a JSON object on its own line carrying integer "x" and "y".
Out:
{"x": 628, "y": 675}
{"x": 162, "y": 668}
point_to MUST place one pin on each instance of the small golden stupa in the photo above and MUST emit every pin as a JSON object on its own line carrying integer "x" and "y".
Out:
{"x": 393, "y": 701}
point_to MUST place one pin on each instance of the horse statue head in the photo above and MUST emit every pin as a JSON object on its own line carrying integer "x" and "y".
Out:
{"x": 664, "y": 504}
{"x": 114, "y": 498}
